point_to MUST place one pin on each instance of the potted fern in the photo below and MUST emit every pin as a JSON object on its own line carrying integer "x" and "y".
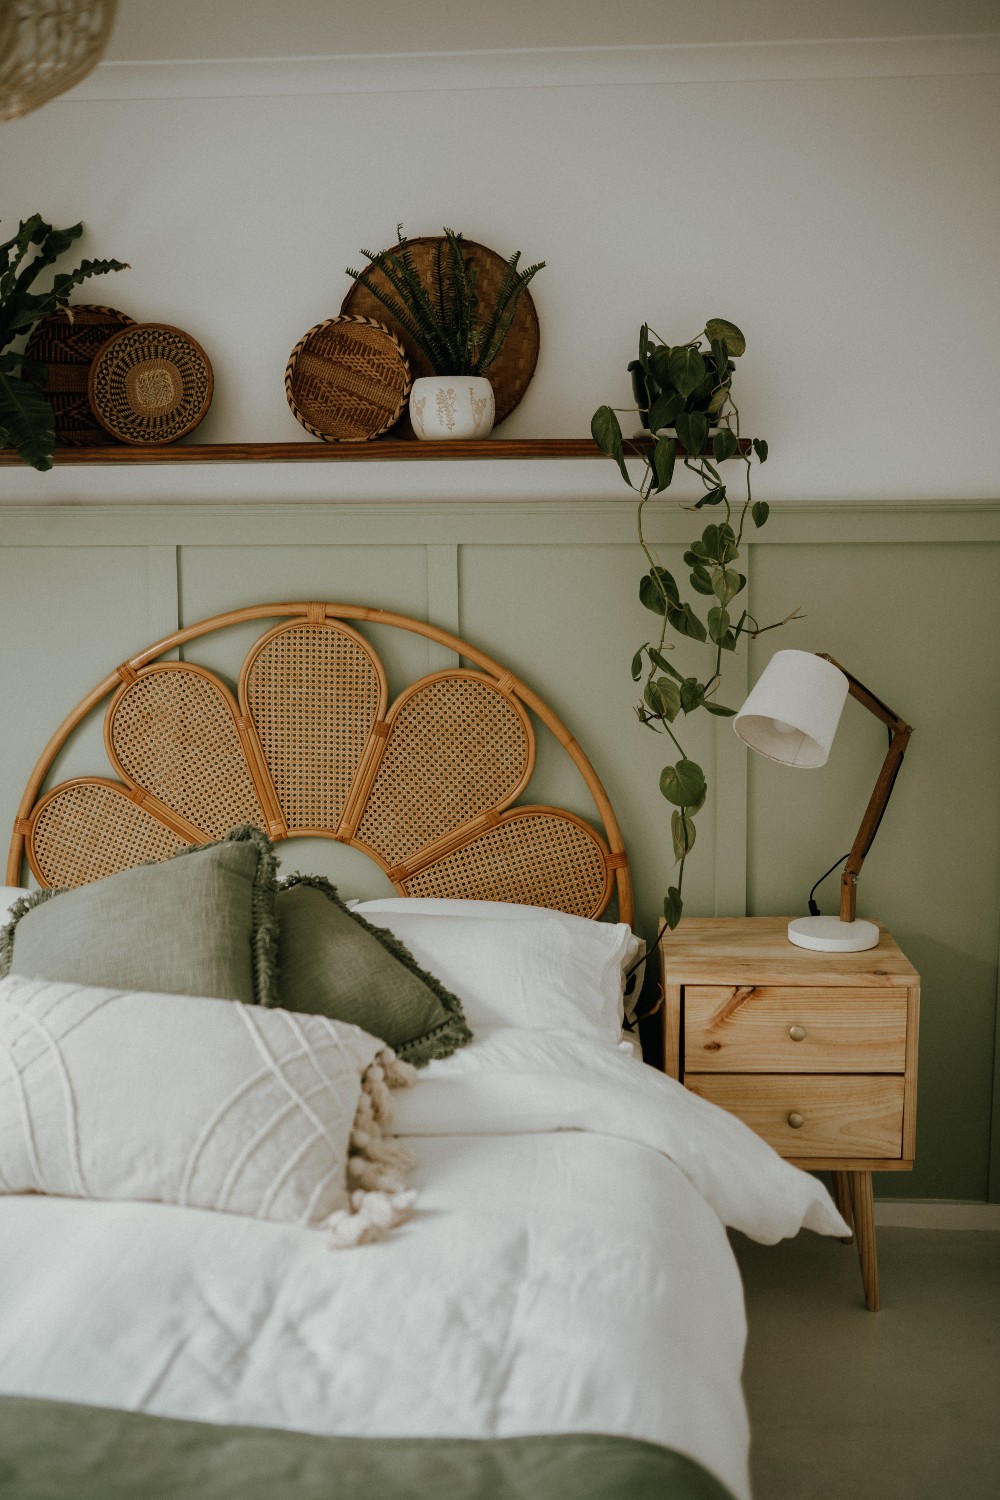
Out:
{"x": 456, "y": 326}
{"x": 26, "y": 421}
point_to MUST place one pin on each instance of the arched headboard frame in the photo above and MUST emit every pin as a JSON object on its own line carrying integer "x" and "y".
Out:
{"x": 427, "y": 786}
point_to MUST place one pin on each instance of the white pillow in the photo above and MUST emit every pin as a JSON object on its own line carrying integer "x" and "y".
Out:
{"x": 517, "y": 966}
{"x": 208, "y": 1103}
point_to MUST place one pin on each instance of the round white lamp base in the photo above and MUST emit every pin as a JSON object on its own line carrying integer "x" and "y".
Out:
{"x": 831, "y": 935}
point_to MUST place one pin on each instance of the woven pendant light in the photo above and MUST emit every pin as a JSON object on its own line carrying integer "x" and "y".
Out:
{"x": 47, "y": 46}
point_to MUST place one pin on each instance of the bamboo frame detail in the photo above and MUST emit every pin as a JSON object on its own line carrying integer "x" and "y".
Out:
{"x": 522, "y": 698}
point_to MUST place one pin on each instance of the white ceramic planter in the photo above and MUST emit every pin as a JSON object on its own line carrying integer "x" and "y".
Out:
{"x": 452, "y": 406}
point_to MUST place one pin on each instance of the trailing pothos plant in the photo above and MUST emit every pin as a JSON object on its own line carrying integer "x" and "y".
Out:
{"x": 687, "y": 388}
{"x": 453, "y": 323}
{"x": 25, "y": 415}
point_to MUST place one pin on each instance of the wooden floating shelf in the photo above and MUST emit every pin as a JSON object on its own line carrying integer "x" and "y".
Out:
{"x": 380, "y": 450}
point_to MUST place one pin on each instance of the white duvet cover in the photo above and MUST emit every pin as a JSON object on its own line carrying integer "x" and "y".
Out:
{"x": 567, "y": 1269}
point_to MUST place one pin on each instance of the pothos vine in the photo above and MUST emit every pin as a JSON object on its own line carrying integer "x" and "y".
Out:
{"x": 688, "y": 388}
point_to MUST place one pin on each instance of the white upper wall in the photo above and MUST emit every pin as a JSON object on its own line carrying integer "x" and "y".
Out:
{"x": 837, "y": 199}
{"x": 149, "y": 30}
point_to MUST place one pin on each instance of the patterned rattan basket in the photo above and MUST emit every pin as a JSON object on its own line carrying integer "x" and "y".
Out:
{"x": 347, "y": 380}
{"x": 511, "y": 371}
{"x": 151, "y": 383}
{"x": 66, "y": 347}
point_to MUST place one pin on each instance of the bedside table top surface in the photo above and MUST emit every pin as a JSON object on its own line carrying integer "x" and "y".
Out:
{"x": 726, "y": 950}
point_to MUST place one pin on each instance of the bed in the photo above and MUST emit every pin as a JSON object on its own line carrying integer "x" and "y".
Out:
{"x": 557, "y": 1310}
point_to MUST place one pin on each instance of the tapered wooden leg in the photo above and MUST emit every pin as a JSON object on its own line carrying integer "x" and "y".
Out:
{"x": 842, "y": 1198}
{"x": 860, "y": 1184}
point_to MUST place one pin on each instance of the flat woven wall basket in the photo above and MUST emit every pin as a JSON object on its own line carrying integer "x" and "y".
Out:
{"x": 347, "y": 379}
{"x": 151, "y": 383}
{"x": 511, "y": 371}
{"x": 66, "y": 343}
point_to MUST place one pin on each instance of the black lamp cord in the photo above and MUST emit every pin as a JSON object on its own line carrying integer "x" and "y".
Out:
{"x": 813, "y": 908}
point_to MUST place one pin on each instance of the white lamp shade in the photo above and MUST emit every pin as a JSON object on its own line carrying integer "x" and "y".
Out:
{"x": 793, "y": 712}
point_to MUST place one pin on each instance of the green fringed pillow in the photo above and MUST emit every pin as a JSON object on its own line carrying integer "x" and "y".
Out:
{"x": 200, "y": 923}
{"x": 334, "y": 963}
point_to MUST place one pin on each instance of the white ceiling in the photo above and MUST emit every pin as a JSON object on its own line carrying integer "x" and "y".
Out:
{"x": 149, "y": 30}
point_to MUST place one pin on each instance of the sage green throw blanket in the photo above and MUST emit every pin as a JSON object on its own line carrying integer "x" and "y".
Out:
{"x": 51, "y": 1450}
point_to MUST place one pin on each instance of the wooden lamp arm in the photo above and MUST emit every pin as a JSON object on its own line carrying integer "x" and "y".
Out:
{"x": 899, "y": 736}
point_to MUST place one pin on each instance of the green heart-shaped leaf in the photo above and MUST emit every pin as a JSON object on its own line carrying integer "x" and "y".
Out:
{"x": 683, "y": 784}
{"x": 719, "y": 329}
{"x": 687, "y": 369}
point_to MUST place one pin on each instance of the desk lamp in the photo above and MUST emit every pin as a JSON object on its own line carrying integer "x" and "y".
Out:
{"x": 791, "y": 716}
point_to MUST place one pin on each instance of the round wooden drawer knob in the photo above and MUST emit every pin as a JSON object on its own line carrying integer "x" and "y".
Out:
{"x": 797, "y": 1033}
{"x": 795, "y": 1120}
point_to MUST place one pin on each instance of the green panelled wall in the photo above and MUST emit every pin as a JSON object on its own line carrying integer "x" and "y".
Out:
{"x": 902, "y": 595}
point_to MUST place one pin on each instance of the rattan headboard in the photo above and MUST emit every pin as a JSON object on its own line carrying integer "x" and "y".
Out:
{"x": 426, "y": 786}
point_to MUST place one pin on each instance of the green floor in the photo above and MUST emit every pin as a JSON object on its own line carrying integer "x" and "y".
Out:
{"x": 903, "y": 1404}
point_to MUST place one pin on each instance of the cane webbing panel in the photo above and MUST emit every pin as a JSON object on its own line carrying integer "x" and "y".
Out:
{"x": 314, "y": 692}
{"x": 172, "y": 732}
{"x": 537, "y": 859}
{"x": 457, "y": 748}
{"x": 85, "y": 830}
{"x": 430, "y": 789}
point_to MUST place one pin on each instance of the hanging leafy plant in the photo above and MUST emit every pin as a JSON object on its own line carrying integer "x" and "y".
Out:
{"x": 450, "y": 321}
{"x": 687, "y": 390}
{"x": 25, "y": 415}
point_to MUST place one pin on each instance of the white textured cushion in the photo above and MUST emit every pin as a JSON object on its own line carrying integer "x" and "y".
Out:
{"x": 521, "y": 966}
{"x": 209, "y": 1103}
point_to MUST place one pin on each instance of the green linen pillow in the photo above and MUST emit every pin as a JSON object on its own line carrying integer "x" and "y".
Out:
{"x": 200, "y": 923}
{"x": 334, "y": 963}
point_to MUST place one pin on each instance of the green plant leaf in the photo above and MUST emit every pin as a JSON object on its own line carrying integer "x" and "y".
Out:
{"x": 725, "y": 585}
{"x": 683, "y": 784}
{"x": 663, "y": 697}
{"x": 686, "y": 368}
{"x": 718, "y": 624}
{"x": 673, "y": 907}
{"x": 659, "y": 366}
{"x": 658, "y": 591}
{"x": 760, "y": 448}
{"x": 26, "y": 421}
{"x": 701, "y": 580}
{"x": 692, "y": 694}
{"x": 760, "y": 510}
{"x": 719, "y": 329}
{"x": 664, "y": 454}
{"x": 719, "y": 709}
{"x": 685, "y": 621}
{"x": 724, "y": 445}
{"x": 659, "y": 660}
{"x": 692, "y": 429}
{"x": 664, "y": 410}
{"x": 637, "y": 664}
{"x": 606, "y": 431}
{"x": 683, "y": 832}
{"x": 712, "y": 497}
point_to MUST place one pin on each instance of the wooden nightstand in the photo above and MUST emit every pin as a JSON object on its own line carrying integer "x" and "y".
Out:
{"x": 816, "y": 1052}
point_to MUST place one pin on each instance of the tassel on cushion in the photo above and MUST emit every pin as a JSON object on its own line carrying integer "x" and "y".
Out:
{"x": 377, "y": 1164}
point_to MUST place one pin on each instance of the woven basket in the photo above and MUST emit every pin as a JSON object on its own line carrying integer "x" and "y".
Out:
{"x": 511, "y": 371}
{"x": 47, "y": 46}
{"x": 347, "y": 380}
{"x": 67, "y": 349}
{"x": 151, "y": 383}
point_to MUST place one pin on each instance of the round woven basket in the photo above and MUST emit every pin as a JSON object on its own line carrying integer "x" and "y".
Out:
{"x": 511, "y": 371}
{"x": 151, "y": 383}
{"x": 66, "y": 347}
{"x": 347, "y": 380}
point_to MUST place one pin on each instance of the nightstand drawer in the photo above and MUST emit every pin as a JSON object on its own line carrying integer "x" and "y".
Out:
{"x": 813, "y": 1115}
{"x": 795, "y": 1029}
